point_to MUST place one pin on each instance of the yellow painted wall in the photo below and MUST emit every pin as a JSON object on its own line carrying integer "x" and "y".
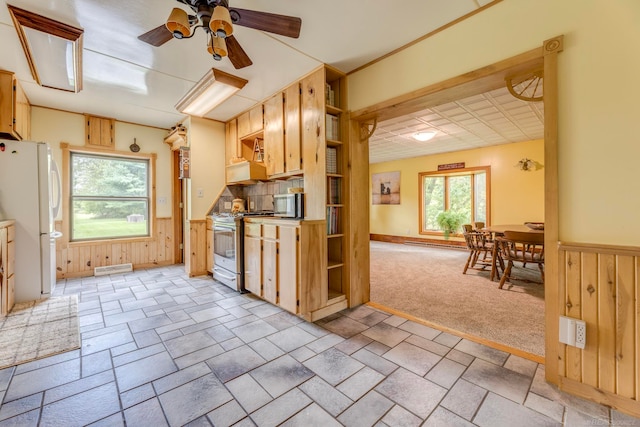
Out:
{"x": 55, "y": 126}
{"x": 206, "y": 140}
{"x": 516, "y": 196}
{"x": 598, "y": 124}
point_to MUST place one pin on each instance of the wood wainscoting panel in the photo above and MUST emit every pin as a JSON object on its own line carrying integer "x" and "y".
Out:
{"x": 600, "y": 285}
{"x": 79, "y": 260}
{"x": 196, "y": 248}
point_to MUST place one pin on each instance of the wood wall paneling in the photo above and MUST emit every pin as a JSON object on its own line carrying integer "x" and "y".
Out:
{"x": 601, "y": 287}
{"x": 79, "y": 259}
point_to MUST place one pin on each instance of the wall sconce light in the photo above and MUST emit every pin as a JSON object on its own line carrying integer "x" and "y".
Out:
{"x": 527, "y": 165}
{"x": 53, "y": 49}
{"x": 212, "y": 90}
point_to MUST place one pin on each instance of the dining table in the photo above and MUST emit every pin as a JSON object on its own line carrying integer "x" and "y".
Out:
{"x": 498, "y": 230}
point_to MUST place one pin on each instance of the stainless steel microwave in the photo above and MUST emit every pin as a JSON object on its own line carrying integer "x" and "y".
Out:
{"x": 289, "y": 205}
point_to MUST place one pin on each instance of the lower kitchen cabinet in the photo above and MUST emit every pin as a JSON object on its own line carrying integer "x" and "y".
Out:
{"x": 276, "y": 267}
{"x": 253, "y": 258}
{"x": 7, "y": 266}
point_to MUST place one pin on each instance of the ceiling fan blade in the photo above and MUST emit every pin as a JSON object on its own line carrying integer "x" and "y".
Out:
{"x": 237, "y": 55}
{"x": 157, "y": 37}
{"x": 278, "y": 24}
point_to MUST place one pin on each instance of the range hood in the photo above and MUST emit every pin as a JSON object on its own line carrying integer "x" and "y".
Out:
{"x": 246, "y": 172}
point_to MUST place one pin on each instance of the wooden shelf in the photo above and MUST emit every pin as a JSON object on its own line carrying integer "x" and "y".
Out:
{"x": 333, "y": 143}
{"x": 334, "y": 264}
{"x": 333, "y": 110}
{"x": 334, "y": 236}
{"x": 335, "y": 175}
{"x": 335, "y": 297}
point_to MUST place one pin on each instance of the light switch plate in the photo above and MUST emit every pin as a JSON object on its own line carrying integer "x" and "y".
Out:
{"x": 227, "y": 205}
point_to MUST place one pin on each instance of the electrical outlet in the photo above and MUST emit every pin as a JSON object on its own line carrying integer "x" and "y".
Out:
{"x": 200, "y": 192}
{"x": 227, "y": 205}
{"x": 252, "y": 205}
{"x": 162, "y": 200}
{"x": 581, "y": 333}
{"x": 567, "y": 330}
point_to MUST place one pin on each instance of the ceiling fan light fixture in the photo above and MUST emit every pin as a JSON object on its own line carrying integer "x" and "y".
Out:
{"x": 178, "y": 23}
{"x": 212, "y": 90}
{"x": 423, "y": 136}
{"x": 220, "y": 22}
{"x": 217, "y": 47}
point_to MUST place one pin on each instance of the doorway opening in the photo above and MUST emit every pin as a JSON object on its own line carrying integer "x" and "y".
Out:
{"x": 492, "y": 79}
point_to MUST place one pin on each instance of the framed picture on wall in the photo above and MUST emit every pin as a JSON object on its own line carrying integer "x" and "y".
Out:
{"x": 385, "y": 188}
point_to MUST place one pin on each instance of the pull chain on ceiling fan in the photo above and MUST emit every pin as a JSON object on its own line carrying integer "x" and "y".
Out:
{"x": 216, "y": 19}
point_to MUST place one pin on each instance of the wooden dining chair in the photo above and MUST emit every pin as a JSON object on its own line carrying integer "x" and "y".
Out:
{"x": 480, "y": 250}
{"x": 525, "y": 247}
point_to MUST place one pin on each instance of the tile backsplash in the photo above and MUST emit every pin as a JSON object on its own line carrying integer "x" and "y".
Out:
{"x": 260, "y": 195}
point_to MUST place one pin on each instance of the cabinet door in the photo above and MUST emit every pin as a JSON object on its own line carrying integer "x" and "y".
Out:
{"x": 270, "y": 270}
{"x": 292, "y": 147}
{"x": 3, "y": 271}
{"x": 288, "y": 268}
{"x": 99, "y": 132}
{"x": 232, "y": 142}
{"x": 253, "y": 265}
{"x": 314, "y": 145}
{"x": 274, "y": 135}
{"x": 9, "y": 271}
{"x": 250, "y": 122}
{"x": 22, "y": 112}
{"x": 209, "y": 250}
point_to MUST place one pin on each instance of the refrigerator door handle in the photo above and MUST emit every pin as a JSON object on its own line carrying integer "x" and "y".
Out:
{"x": 56, "y": 173}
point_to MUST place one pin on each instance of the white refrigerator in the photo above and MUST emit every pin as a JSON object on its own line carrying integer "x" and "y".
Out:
{"x": 30, "y": 194}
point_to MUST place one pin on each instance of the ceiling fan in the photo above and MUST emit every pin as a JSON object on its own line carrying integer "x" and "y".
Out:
{"x": 216, "y": 18}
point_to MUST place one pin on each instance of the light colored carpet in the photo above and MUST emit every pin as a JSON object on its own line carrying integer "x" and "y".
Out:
{"x": 37, "y": 329}
{"x": 428, "y": 283}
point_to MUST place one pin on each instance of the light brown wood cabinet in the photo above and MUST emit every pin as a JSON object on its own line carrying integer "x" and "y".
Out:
{"x": 282, "y": 142}
{"x": 209, "y": 262}
{"x": 253, "y": 258}
{"x": 275, "y": 269}
{"x": 15, "y": 110}
{"x": 303, "y": 266}
{"x": 272, "y": 261}
{"x": 274, "y": 135}
{"x": 99, "y": 132}
{"x": 250, "y": 122}
{"x": 7, "y": 266}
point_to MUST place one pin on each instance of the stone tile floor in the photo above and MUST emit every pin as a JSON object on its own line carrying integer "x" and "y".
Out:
{"x": 160, "y": 348}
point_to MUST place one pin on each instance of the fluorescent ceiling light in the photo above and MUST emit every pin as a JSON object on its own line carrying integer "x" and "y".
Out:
{"x": 424, "y": 136}
{"x": 212, "y": 90}
{"x": 53, "y": 50}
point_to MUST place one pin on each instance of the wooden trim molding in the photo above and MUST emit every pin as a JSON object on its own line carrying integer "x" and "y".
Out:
{"x": 488, "y": 343}
{"x": 552, "y": 291}
{"x": 457, "y": 244}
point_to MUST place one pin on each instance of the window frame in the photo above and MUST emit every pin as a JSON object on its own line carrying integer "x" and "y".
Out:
{"x": 473, "y": 171}
{"x": 67, "y": 199}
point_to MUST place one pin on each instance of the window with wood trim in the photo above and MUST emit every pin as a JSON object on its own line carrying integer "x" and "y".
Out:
{"x": 110, "y": 196}
{"x": 464, "y": 191}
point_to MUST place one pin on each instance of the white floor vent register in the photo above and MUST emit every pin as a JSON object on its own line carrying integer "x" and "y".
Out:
{"x": 112, "y": 269}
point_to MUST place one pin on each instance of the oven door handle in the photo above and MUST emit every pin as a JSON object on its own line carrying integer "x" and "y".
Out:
{"x": 223, "y": 228}
{"x": 221, "y": 273}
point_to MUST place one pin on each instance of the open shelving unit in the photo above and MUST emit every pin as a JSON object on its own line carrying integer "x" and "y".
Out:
{"x": 335, "y": 132}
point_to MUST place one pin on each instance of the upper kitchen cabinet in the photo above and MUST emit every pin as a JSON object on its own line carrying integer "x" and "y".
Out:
{"x": 274, "y": 134}
{"x": 250, "y": 122}
{"x": 15, "y": 110}
{"x": 99, "y": 132}
{"x": 282, "y": 149}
